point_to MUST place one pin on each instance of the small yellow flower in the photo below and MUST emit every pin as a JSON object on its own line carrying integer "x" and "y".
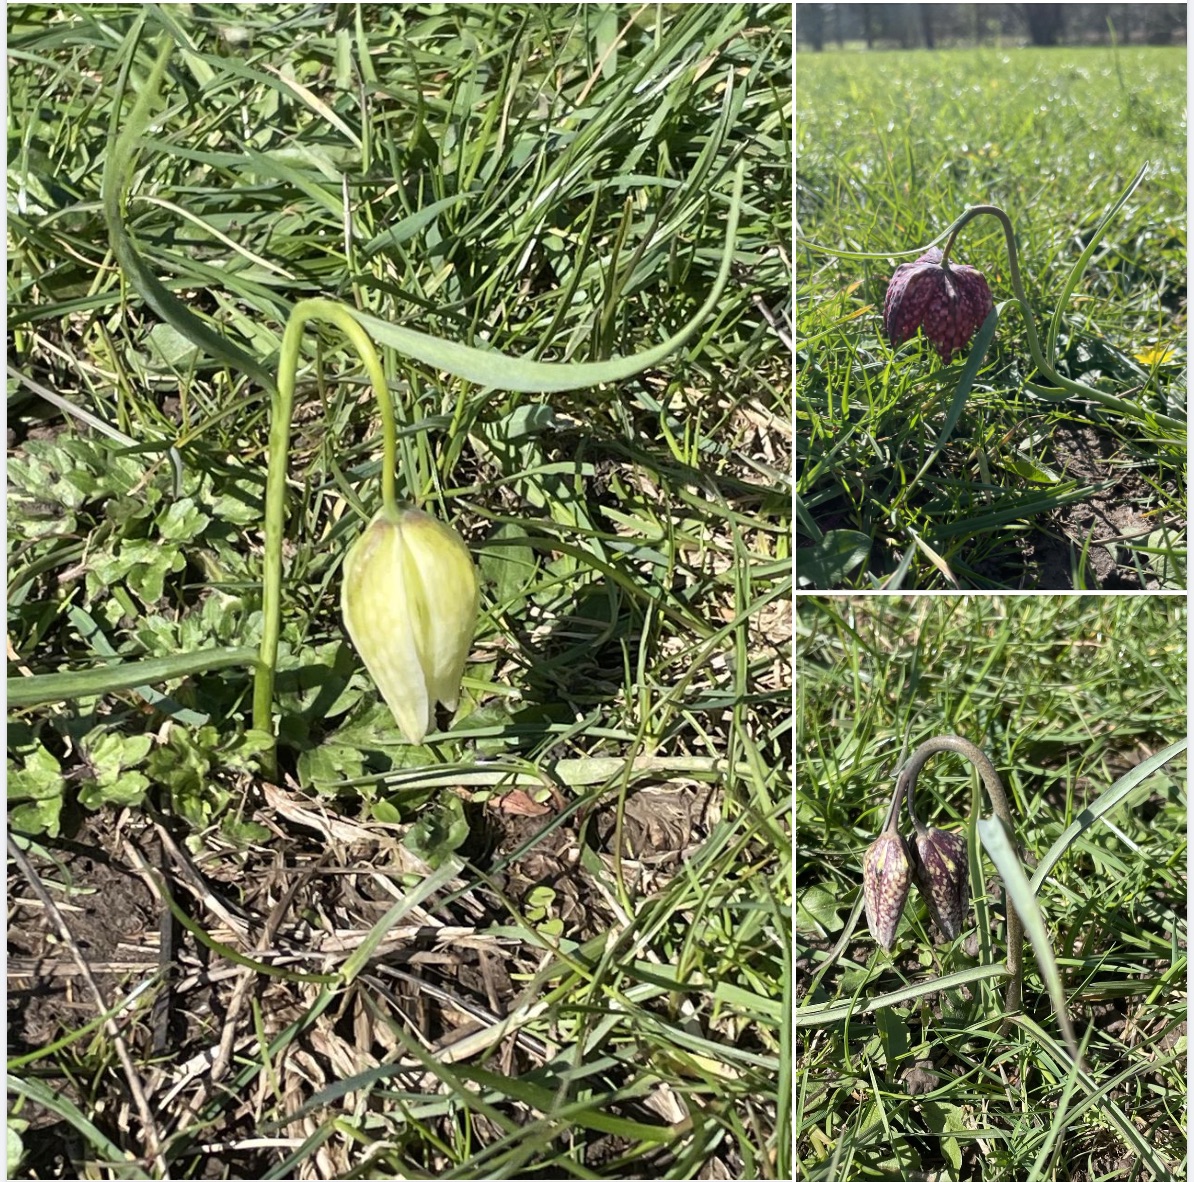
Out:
{"x": 1157, "y": 355}
{"x": 410, "y": 605}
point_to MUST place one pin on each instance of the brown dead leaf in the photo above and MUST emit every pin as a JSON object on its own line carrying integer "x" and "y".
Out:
{"x": 519, "y": 803}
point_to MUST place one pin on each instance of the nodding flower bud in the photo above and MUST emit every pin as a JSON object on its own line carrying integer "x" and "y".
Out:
{"x": 886, "y": 880}
{"x": 941, "y": 876}
{"x": 949, "y": 301}
{"x": 410, "y": 605}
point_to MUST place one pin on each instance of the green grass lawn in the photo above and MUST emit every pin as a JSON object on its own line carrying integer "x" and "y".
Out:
{"x": 906, "y": 477}
{"x": 900, "y": 1075}
{"x": 552, "y": 940}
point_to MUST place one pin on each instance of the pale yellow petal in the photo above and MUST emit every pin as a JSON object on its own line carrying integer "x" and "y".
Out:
{"x": 410, "y": 599}
{"x": 440, "y": 563}
{"x": 381, "y": 622}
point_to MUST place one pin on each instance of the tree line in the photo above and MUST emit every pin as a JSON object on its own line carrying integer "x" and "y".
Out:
{"x": 910, "y": 26}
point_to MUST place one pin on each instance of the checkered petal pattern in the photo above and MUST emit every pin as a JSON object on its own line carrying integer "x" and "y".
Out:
{"x": 886, "y": 880}
{"x": 949, "y": 303}
{"x": 941, "y": 876}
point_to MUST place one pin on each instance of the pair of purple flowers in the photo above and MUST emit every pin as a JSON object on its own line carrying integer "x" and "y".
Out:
{"x": 949, "y": 302}
{"x": 936, "y": 859}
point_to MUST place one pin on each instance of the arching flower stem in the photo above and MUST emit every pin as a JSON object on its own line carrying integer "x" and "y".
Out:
{"x": 1000, "y": 805}
{"x": 1065, "y": 387}
{"x": 281, "y": 413}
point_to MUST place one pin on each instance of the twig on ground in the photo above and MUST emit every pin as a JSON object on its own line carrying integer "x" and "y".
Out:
{"x": 153, "y": 1139}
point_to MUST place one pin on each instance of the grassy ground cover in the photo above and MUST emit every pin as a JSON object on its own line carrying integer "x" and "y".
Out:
{"x": 552, "y": 940}
{"x": 902, "y": 1074}
{"x": 901, "y": 483}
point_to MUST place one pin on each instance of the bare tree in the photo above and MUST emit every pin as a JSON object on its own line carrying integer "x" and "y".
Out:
{"x": 926, "y": 24}
{"x": 885, "y": 26}
{"x": 1044, "y": 21}
{"x": 810, "y": 21}
{"x": 1123, "y": 23}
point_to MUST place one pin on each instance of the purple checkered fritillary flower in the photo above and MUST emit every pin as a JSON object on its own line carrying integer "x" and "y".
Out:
{"x": 886, "y": 880}
{"x": 939, "y": 862}
{"x": 949, "y": 301}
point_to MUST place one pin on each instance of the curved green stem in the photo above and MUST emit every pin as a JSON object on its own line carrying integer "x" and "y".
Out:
{"x": 1013, "y": 256}
{"x": 905, "y": 786}
{"x": 1034, "y": 345}
{"x": 281, "y": 412}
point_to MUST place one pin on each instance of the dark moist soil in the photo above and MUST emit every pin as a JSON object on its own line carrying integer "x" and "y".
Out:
{"x": 291, "y": 891}
{"x": 113, "y": 919}
{"x": 1083, "y": 453}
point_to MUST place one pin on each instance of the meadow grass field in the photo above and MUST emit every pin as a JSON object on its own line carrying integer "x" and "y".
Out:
{"x": 553, "y": 939}
{"x": 904, "y": 1067}
{"x": 907, "y": 476}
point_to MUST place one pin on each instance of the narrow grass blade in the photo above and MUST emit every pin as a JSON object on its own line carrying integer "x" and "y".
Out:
{"x": 938, "y": 562}
{"x": 1099, "y": 1094}
{"x": 230, "y": 953}
{"x": 91, "y": 633}
{"x": 1109, "y": 401}
{"x": 1076, "y": 273}
{"x": 106, "y": 679}
{"x": 804, "y": 519}
{"x": 124, "y": 1005}
{"x": 1061, "y": 1118}
{"x": 895, "y": 581}
{"x": 408, "y": 227}
{"x": 1103, "y": 804}
{"x": 120, "y": 1163}
{"x": 506, "y": 1088}
{"x": 826, "y": 1015}
{"x": 1012, "y": 508}
{"x": 995, "y": 838}
{"x": 361, "y": 955}
{"x": 978, "y": 351}
{"x": 119, "y": 164}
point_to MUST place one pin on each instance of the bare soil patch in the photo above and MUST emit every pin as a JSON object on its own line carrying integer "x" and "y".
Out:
{"x": 305, "y": 901}
{"x": 1119, "y": 511}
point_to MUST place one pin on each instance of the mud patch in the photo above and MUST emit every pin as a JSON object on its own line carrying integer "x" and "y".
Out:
{"x": 446, "y": 973}
{"x": 113, "y": 919}
{"x": 1119, "y": 513}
